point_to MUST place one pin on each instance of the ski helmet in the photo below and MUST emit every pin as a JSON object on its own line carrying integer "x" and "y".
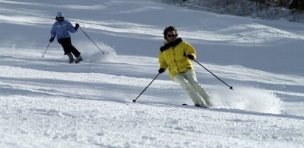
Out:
{"x": 59, "y": 14}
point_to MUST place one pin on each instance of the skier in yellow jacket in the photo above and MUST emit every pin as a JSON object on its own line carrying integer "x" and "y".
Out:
{"x": 176, "y": 55}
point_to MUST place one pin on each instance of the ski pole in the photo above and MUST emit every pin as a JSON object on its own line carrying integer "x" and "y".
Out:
{"x": 91, "y": 40}
{"x": 46, "y": 49}
{"x": 146, "y": 87}
{"x": 231, "y": 88}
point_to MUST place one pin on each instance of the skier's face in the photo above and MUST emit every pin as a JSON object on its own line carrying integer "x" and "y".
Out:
{"x": 59, "y": 18}
{"x": 171, "y": 35}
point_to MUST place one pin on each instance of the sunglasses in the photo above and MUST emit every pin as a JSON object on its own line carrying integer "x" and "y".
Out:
{"x": 171, "y": 35}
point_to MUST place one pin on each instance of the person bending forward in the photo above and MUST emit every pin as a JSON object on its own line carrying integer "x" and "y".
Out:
{"x": 176, "y": 55}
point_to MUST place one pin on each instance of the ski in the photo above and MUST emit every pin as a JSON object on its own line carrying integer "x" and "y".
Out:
{"x": 77, "y": 62}
{"x": 185, "y": 104}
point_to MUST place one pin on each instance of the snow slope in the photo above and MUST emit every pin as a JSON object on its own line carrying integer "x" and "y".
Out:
{"x": 46, "y": 102}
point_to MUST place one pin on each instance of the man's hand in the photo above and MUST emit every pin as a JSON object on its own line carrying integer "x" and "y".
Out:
{"x": 190, "y": 56}
{"x": 52, "y": 39}
{"x": 76, "y": 26}
{"x": 161, "y": 70}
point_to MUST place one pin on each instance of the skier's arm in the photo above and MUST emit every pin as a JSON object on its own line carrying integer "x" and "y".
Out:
{"x": 71, "y": 28}
{"x": 53, "y": 32}
{"x": 190, "y": 50}
{"x": 162, "y": 62}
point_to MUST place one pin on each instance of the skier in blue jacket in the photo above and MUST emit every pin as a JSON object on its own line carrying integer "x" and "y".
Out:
{"x": 61, "y": 28}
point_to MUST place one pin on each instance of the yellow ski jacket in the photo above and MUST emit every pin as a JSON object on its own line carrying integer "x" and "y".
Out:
{"x": 173, "y": 55}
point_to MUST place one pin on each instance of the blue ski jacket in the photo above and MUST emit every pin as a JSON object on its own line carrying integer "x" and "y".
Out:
{"x": 62, "y": 29}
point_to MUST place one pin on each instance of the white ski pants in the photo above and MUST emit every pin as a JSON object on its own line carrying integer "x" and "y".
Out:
{"x": 189, "y": 83}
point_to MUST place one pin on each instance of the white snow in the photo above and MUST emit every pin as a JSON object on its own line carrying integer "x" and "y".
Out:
{"x": 46, "y": 102}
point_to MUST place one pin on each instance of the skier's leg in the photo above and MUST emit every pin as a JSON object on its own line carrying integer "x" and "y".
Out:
{"x": 66, "y": 49}
{"x": 179, "y": 78}
{"x": 75, "y": 52}
{"x": 192, "y": 79}
{"x": 65, "y": 46}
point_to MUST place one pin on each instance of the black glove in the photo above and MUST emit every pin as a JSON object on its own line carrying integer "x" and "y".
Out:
{"x": 52, "y": 39}
{"x": 190, "y": 56}
{"x": 76, "y": 26}
{"x": 161, "y": 70}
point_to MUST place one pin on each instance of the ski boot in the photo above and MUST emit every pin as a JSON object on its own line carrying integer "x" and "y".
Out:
{"x": 79, "y": 59}
{"x": 71, "y": 57}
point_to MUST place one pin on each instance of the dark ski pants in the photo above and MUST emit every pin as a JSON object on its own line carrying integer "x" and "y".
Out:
{"x": 68, "y": 47}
